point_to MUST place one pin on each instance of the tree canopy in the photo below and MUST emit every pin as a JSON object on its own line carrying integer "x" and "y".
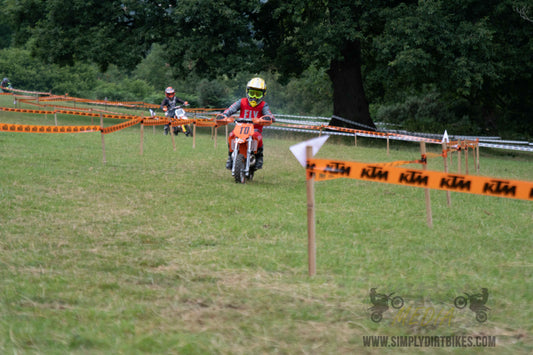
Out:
{"x": 472, "y": 58}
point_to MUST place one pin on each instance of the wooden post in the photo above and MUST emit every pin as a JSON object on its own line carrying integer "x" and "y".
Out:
{"x": 103, "y": 140}
{"x": 388, "y": 146}
{"x": 142, "y": 137}
{"x": 194, "y": 135}
{"x": 451, "y": 156}
{"x": 216, "y": 135}
{"x": 466, "y": 157}
{"x": 311, "y": 242}
{"x": 55, "y": 116}
{"x": 429, "y": 216}
{"x": 171, "y": 132}
{"x": 444, "y": 152}
{"x": 477, "y": 155}
{"x": 459, "y": 148}
{"x": 355, "y": 139}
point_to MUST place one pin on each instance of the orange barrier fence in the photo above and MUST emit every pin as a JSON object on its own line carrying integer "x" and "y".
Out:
{"x": 120, "y": 126}
{"x": 6, "y": 127}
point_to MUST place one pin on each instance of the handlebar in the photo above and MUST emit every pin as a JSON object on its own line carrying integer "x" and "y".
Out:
{"x": 266, "y": 120}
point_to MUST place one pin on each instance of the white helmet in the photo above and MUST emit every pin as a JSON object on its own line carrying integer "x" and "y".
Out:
{"x": 169, "y": 92}
{"x": 255, "y": 91}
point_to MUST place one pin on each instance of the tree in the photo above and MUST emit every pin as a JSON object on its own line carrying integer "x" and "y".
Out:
{"x": 328, "y": 33}
{"x": 472, "y": 50}
{"x": 66, "y": 31}
{"x": 211, "y": 38}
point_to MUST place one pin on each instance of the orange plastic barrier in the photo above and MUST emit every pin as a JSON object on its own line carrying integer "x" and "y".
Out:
{"x": 21, "y": 128}
{"x": 155, "y": 121}
{"x": 120, "y": 126}
{"x": 205, "y": 123}
{"x": 179, "y": 122}
{"x": 323, "y": 169}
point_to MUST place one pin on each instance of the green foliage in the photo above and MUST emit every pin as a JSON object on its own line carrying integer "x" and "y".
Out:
{"x": 428, "y": 113}
{"x": 310, "y": 94}
{"x": 28, "y": 73}
{"x": 212, "y": 93}
{"x": 471, "y": 52}
{"x": 124, "y": 90}
{"x": 477, "y": 51}
{"x": 154, "y": 69}
{"x": 211, "y": 38}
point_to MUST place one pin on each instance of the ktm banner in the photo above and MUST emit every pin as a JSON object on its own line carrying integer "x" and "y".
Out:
{"x": 324, "y": 169}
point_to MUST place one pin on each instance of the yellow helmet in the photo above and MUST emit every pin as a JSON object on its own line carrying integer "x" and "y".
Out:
{"x": 255, "y": 91}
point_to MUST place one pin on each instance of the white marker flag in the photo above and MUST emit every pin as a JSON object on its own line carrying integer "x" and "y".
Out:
{"x": 299, "y": 149}
{"x": 445, "y": 137}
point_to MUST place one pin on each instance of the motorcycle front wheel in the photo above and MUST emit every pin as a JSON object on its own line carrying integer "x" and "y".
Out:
{"x": 239, "y": 169}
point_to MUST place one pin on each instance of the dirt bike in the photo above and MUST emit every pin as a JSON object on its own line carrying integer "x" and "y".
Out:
{"x": 382, "y": 305}
{"x": 476, "y": 305}
{"x": 177, "y": 112}
{"x": 244, "y": 146}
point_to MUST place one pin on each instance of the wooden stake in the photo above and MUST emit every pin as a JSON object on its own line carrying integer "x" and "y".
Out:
{"x": 429, "y": 216}
{"x": 171, "y": 131}
{"x": 142, "y": 137}
{"x": 103, "y": 140}
{"x": 459, "y": 148}
{"x": 466, "y": 158}
{"x": 216, "y": 135}
{"x": 388, "y": 146}
{"x": 311, "y": 243}
{"x": 444, "y": 151}
{"x": 355, "y": 139}
{"x": 477, "y": 155}
{"x": 194, "y": 135}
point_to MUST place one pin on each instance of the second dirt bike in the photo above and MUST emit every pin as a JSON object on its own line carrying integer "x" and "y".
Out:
{"x": 244, "y": 147}
{"x": 177, "y": 113}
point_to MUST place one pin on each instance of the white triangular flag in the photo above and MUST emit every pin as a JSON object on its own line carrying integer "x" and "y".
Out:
{"x": 299, "y": 149}
{"x": 445, "y": 137}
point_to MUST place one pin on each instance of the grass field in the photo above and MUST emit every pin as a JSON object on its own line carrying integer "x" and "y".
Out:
{"x": 162, "y": 253}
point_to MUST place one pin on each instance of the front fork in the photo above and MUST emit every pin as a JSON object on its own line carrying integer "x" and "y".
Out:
{"x": 235, "y": 154}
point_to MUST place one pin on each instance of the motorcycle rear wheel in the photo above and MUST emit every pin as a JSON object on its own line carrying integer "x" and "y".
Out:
{"x": 239, "y": 169}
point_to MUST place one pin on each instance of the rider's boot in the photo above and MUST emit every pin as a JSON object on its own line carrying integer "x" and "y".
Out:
{"x": 176, "y": 131}
{"x": 229, "y": 162}
{"x": 259, "y": 161}
{"x": 166, "y": 129}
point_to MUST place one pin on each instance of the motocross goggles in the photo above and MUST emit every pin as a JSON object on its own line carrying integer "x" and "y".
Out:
{"x": 255, "y": 94}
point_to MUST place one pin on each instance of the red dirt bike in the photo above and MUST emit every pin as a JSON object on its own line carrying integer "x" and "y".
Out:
{"x": 244, "y": 146}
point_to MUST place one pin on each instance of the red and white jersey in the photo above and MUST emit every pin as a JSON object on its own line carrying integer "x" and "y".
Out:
{"x": 246, "y": 111}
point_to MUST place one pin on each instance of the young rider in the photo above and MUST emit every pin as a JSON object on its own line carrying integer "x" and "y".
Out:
{"x": 251, "y": 106}
{"x": 168, "y": 104}
{"x": 5, "y": 85}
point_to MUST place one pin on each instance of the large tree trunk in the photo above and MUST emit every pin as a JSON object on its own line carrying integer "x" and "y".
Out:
{"x": 349, "y": 100}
